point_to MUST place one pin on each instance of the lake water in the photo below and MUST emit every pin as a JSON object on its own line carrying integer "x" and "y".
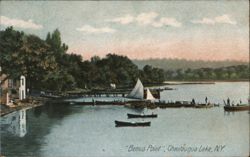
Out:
{"x": 70, "y": 130}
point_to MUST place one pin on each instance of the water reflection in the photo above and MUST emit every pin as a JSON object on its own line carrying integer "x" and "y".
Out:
{"x": 226, "y": 113}
{"x": 23, "y": 132}
{"x": 15, "y": 123}
{"x": 53, "y": 111}
{"x": 234, "y": 113}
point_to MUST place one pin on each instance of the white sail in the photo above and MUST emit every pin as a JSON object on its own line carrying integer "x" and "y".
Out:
{"x": 137, "y": 92}
{"x": 149, "y": 95}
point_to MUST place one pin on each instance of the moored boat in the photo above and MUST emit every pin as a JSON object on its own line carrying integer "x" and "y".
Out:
{"x": 141, "y": 93}
{"x": 142, "y": 115}
{"x": 204, "y": 105}
{"x": 151, "y": 106}
{"x": 216, "y": 105}
{"x": 168, "y": 105}
{"x": 185, "y": 103}
{"x": 133, "y": 124}
{"x": 237, "y": 108}
{"x": 109, "y": 103}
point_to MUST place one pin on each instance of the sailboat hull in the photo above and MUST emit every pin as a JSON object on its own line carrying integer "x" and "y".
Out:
{"x": 131, "y": 124}
{"x": 141, "y": 116}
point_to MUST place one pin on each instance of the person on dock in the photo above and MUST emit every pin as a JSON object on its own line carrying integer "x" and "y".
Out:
{"x": 193, "y": 101}
{"x": 228, "y": 101}
{"x": 93, "y": 101}
{"x": 206, "y": 100}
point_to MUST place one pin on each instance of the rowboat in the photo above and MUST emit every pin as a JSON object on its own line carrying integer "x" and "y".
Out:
{"x": 204, "y": 105}
{"x": 168, "y": 105}
{"x": 237, "y": 108}
{"x": 142, "y": 115}
{"x": 109, "y": 103}
{"x": 185, "y": 103}
{"x": 216, "y": 105}
{"x": 133, "y": 124}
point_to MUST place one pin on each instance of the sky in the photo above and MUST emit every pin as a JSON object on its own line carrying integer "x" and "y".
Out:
{"x": 193, "y": 30}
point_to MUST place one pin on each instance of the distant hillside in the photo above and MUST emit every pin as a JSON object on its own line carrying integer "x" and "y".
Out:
{"x": 173, "y": 64}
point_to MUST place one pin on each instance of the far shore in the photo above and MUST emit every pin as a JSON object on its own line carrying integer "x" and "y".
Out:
{"x": 203, "y": 81}
{"x": 194, "y": 82}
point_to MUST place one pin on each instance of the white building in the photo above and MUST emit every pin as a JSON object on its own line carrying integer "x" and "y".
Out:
{"x": 22, "y": 88}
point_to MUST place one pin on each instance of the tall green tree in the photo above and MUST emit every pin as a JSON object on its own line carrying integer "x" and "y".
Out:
{"x": 26, "y": 55}
{"x": 11, "y": 42}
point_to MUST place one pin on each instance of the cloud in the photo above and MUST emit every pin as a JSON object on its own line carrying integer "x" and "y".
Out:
{"x": 224, "y": 19}
{"x": 19, "y": 23}
{"x": 149, "y": 18}
{"x": 123, "y": 20}
{"x": 146, "y": 18}
{"x": 165, "y": 21}
{"x": 219, "y": 19}
{"x": 90, "y": 29}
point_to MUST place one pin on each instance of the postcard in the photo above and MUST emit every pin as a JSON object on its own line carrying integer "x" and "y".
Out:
{"x": 124, "y": 78}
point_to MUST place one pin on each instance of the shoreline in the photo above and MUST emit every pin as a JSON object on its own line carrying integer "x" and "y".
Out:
{"x": 31, "y": 102}
{"x": 194, "y": 82}
{"x": 176, "y": 82}
{"x": 202, "y": 81}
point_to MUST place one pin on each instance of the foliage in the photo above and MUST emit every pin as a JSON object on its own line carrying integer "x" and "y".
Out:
{"x": 236, "y": 72}
{"x": 152, "y": 75}
{"x": 47, "y": 66}
{"x": 116, "y": 69}
{"x": 174, "y": 64}
{"x": 26, "y": 55}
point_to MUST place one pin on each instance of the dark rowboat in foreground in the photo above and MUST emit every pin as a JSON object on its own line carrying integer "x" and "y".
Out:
{"x": 142, "y": 115}
{"x": 237, "y": 108}
{"x": 134, "y": 124}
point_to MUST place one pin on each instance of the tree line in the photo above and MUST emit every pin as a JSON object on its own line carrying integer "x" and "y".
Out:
{"x": 236, "y": 72}
{"x": 174, "y": 64}
{"x": 47, "y": 66}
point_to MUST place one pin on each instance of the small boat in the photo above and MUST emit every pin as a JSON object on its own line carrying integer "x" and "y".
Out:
{"x": 109, "y": 102}
{"x": 142, "y": 115}
{"x": 168, "y": 105}
{"x": 134, "y": 124}
{"x": 141, "y": 93}
{"x": 204, "y": 105}
{"x": 237, "y": 108}
{"x": 138, "y": 91}
{"x": 152, "y": 106}
{"x": 216, "y": 105}
{"x": 185, "y": 103}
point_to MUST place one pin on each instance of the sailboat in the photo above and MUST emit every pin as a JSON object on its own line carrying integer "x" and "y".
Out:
{"x": 149, "y": 95}
{"x": 138, "y": 91}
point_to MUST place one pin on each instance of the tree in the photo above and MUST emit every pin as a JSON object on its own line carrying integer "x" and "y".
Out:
{"x": 116, "y": 69}
{"x": 36, "y": 60}
{"x": 25, "y": 55}
{"x": 11, "y": 42}
{"x": 56, "y": 45}
{"x": 152, "y": 75}
{"x": 95, "y": 59}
